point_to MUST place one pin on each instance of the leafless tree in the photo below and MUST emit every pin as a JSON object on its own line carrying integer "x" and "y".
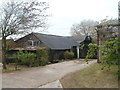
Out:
{"x": 102, "y": 32}
{"x": 21, "y": 17}
{"x": 85, "y": 28}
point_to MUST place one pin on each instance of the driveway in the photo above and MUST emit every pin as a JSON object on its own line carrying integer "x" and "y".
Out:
{"x": 35, "y": 77}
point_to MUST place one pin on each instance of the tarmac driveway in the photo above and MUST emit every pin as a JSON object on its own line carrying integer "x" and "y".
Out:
{"x": 34, "y": 77}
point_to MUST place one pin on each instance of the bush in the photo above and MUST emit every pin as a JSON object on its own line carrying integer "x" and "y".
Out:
{"x": 26, "y": 58}
{"x": 68, "y": 55}
{"x": 41, "y": 57}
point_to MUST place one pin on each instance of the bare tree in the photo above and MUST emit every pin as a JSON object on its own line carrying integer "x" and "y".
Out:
{"x": 102, "y": 32}
{"x": 21, "y": 17}
{"x": 85, "y": 28}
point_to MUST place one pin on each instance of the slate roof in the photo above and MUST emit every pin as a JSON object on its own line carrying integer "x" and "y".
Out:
{"x": 57, "y": 42}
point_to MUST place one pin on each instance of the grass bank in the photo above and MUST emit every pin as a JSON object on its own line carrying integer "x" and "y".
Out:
{"x": 92, "y": 77}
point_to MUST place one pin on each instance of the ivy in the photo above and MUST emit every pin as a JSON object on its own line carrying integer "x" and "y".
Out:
{"x": 92, "y": 51}
{"x": 109, "y": 51}
{"x": 82, "y": 46}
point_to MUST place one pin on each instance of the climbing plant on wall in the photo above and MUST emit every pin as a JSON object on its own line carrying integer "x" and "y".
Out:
{"x": 109, "y": 51}
{"x": 92, "y": 51}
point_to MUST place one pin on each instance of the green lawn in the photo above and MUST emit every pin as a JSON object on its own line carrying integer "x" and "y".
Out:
{"x": 92, "y": 77}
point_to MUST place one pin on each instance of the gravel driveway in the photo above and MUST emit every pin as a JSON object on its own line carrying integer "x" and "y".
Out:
{"x": 35, "y": 77}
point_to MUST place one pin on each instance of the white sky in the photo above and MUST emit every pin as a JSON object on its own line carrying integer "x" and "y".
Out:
{"x": 67, "y": 12}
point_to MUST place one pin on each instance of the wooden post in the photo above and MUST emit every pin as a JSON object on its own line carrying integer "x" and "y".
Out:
{"x": 98, "y": 61}
{"x": 78, "y": 52}
{"x": 32, "y": 43}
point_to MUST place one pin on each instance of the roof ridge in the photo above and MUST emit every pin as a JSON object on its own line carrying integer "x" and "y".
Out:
{"x": 51, "y": 35}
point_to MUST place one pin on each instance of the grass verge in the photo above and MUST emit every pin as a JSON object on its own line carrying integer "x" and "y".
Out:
{"x": 11, "y": 68}
{"x": 92, "y": 77}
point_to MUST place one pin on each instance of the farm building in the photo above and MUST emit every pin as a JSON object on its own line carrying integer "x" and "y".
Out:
{"x": 57, "y": 45}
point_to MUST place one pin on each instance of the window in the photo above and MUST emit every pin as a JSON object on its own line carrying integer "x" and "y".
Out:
{"x": 33, "y": 43}
{"x": 30, "y": 43}
{"x": 36, "y": 43}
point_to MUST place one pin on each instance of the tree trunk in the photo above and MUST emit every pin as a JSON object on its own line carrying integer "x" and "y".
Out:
{"x": 98, "y": 61}
{"x": 4, "y": 52}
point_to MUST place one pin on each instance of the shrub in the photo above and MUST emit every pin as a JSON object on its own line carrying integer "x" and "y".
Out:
{"x": 42, "y": 57}
{"x": 26, "y": 58}
{"x": 68, "y": 55}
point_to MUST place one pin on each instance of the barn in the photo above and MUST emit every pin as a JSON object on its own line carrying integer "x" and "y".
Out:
{"x": 57, "y": 45}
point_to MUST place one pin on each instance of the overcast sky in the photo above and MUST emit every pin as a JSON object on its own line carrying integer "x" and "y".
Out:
{"x": 67, "y": 12}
